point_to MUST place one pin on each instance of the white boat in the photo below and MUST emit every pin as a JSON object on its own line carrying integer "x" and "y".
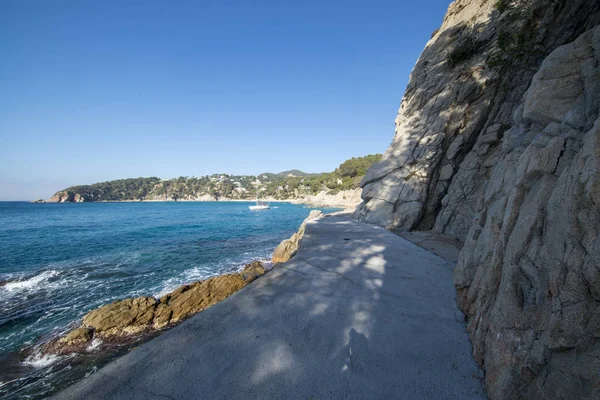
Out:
{"x": 260, "y": 206}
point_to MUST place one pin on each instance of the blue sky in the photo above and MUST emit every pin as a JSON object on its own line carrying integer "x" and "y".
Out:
{"x": 100, "y": 90}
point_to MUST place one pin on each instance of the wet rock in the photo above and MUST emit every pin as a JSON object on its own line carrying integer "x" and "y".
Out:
{"x": 73, "y": 341}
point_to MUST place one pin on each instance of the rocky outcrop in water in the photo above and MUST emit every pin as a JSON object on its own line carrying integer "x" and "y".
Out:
{"x": 123, "y": 319}
{"x": 497, "y": 141}
{"x": 289, "y": 247}
{"x": 66, "y": 197}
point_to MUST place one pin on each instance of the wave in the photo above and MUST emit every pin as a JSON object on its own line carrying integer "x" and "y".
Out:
{"x": 41, "y": 361}
{"x": 94, "y": 345}
{"x": 188, "y": 276}
{"x": 35, "y": 282}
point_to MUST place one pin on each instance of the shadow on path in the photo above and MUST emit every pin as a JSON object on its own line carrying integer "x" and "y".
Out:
{"x": 358, "y": 313}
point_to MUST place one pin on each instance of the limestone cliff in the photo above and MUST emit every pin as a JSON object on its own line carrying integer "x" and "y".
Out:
{"x": 459, "y": 101}
{"x": 67, "y": 197}
{"x": 348, "y": 199}
{"x": 529, "y": 275}
{"x": 497, "y": 140}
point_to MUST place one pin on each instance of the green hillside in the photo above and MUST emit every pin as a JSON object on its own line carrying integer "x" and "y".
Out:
{"x": 284, "y": 185}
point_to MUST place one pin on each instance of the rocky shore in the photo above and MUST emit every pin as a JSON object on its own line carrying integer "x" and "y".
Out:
{"x": 347, "y": 199}
{"x": 113, "y": 329}
{"x": 289, "y": 247}
{"x": 123, "y": 320}
{"x": 497, "y": 142}
{"x": 358, "y": 312}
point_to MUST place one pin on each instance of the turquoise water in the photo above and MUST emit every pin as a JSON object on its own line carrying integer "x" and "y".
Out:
{"x": 58, "y": 261}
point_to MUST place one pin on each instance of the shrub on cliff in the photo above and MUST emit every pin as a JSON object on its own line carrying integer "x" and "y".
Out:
{"x": 466, "y": 46}
{"x": 502, "y": 5}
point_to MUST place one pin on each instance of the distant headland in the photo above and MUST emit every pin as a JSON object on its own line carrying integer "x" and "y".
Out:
{"x": 337, "y": 188}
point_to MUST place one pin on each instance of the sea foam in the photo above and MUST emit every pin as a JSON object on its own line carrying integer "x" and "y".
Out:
{"x": 35, "y": 281}
{"x": 41, "y": 361}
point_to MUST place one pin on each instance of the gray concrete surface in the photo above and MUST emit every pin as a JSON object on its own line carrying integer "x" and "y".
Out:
{"x": 447, "y": 247}
{"x": 358, "y": 313}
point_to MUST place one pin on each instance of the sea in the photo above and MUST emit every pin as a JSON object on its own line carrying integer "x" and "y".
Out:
{"x": 59, "y": 261}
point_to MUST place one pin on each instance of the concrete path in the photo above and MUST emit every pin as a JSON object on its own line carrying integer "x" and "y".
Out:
{"x": 358, "y": 313}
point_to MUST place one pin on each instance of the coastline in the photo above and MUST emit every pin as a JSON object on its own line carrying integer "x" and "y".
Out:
{"x": 108, "y": 332}
{"x": 286, "y": 327}
{"x": 83, "y": 343}
{"x": 344, "y": 199}
{"x": 158, "y": 313}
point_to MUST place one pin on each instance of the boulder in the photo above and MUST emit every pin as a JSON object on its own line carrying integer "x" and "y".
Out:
{"x": 191, "y": 299}
{"x": 253, "y": 270}
{"x": 73, "y": 341}
{"x": 162, "y": 316}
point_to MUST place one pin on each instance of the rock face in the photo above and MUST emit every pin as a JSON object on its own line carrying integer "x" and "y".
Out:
{"x": 529, "y": 275}
{"x": 66, "y": 197}
{"x": 289, "y": 247}
{"x": 462, "y": 93}
{"x": 123, "y": 319}
{"x": 61, "y": 197}
{"x": 497, "y": 140}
